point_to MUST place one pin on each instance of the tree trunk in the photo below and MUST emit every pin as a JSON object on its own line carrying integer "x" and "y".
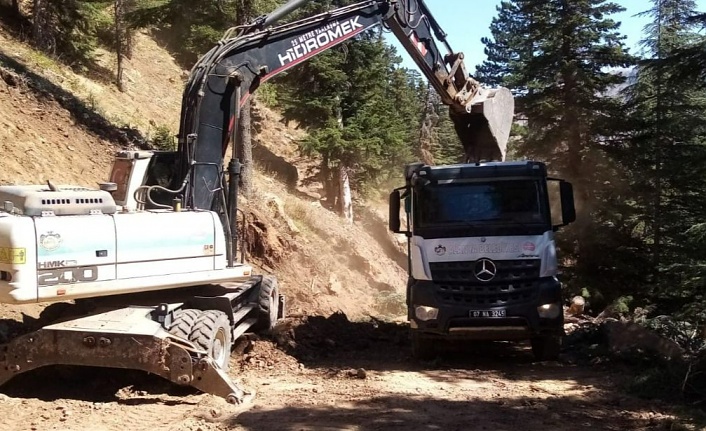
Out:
{"x": 128, "y": 32}
{"x": 327, "y": 180}
{"x": 41, "y": 33}
{"x": 346, "y": 202}
{"x": 244, "y": 13}
{"x": 429, "y": 121}
{"x": 245, "y": 150}
{"x": 119, "y": 43}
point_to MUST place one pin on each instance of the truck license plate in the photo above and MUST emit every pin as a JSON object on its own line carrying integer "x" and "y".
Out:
{"x": 487, "y": 313}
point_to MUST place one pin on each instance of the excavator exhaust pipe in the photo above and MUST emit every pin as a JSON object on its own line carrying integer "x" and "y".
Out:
{"x": 485, "y": 128}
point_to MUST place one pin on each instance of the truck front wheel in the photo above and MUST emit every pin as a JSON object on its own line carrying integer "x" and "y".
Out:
{"x": 422, "y": 347}
{"x": 546, "y": 348}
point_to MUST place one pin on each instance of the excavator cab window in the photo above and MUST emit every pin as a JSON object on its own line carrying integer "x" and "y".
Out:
{"x": 161, "y": 172}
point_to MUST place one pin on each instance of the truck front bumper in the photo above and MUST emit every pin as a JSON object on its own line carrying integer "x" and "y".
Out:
{"x": 518, "y": 321}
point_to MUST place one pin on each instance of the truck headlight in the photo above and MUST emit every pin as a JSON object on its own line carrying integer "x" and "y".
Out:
{"x": 549, "y": 311}
{"x": 425, "y": 313}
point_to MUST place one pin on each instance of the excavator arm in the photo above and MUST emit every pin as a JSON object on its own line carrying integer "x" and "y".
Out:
{"x": 223, "y": 79}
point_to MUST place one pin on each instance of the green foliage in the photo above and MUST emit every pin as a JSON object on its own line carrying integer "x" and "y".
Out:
{"x": 658, "y": 381}
{"x": 267, "y": 94}
{"x": 360, "y": 108}
{"x": 637, "y": 157}
{"x": 622, "y": 304}
{"x": 73, "y": 26}
{"x": 163, "y": 138}
{"x": 189, "y": 28}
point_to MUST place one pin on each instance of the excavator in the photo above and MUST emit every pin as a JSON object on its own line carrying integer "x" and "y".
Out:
{"x": 148, "y": 270}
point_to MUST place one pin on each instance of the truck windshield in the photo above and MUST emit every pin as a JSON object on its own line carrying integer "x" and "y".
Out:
{"x": 506, "y": 201}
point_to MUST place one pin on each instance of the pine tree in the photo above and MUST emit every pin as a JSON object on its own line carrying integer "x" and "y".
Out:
{"x": 69, "y": 28}
{"x": 559, "y": 58}
{"x": 362, "y": 111}
{"x": 690, "y": 56}
{"x": 668, "y": 150}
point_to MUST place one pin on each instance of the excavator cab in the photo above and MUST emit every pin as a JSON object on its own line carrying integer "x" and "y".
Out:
{"x": 133, "y": 174}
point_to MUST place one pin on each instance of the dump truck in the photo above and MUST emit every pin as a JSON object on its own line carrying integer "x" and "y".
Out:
{"x": 482, "y": 260}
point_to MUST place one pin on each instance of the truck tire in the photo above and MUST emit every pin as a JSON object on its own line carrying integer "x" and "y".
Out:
{"x": 211, "y": 332}
{"x": 267, "y": 304}
{"x": 546, "y": 348}
{"x": 423, "y": 347}
{"x": 183, "y": 322}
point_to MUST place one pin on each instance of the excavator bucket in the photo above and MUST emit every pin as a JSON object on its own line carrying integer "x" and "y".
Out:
{"x": 485, "y": 129}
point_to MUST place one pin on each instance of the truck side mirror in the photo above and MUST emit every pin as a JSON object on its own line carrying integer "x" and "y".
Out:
{"x": 568, "y": 211}
{"x": 565, "y": 198}
{"x": 394, "y": 217}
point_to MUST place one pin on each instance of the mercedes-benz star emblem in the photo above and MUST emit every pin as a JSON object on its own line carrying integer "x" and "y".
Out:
{"x": 485, "y": 270}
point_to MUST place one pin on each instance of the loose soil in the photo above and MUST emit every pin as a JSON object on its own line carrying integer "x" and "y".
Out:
{"x": 320, "y": 373}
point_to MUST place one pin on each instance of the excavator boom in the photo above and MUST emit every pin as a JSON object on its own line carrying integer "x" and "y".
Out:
{"x": 224, "y": 78}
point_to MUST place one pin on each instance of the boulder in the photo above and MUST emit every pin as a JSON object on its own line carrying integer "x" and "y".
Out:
{"x": 629, "y": 337}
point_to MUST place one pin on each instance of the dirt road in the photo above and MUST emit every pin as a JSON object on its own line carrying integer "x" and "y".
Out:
{"x": 331, "y": 374}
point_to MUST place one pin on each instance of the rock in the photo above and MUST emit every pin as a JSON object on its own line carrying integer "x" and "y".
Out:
{"x": 313, "y": 195}
{"x": 577, "y": 306}
{"x": 334, "y": 285}
{"x": 628, "y": 337}
{"x": 610, "y": 313}
{"x": 361, "y": 373}
{"x": 276, "y": 205}
{"x": 11, "y": 78}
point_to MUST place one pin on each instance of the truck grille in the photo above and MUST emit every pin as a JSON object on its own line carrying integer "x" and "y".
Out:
{"x": 515, "y": 282}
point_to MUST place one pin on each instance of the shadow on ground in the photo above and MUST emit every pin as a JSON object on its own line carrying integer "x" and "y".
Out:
{"x": 425, "y": 413}
{"x": 319, "y": 341}
{"x": 94, "y": 385}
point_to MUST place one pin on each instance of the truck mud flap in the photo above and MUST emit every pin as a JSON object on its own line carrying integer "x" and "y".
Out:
{"x": 126, "y": 338}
